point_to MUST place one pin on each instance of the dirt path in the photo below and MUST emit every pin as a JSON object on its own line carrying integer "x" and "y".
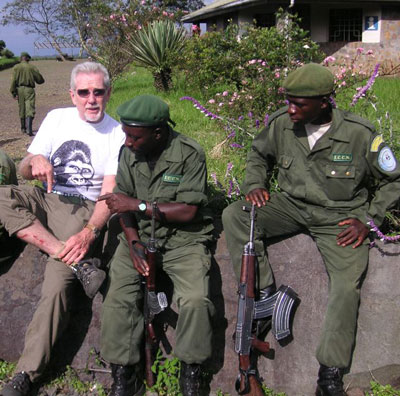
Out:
{"x": 50, "y": 95}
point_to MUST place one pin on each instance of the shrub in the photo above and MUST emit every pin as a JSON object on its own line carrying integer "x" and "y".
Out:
{"x": 6, "y": 53}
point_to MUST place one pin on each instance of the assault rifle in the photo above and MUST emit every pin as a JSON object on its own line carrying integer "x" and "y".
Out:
{"x": 154, "y": 302}
{"x": 278, "y": 306}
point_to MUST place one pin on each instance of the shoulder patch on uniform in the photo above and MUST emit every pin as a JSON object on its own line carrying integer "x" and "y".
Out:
{"x": 387, "y": 160}
{"x": 378, "y": 140}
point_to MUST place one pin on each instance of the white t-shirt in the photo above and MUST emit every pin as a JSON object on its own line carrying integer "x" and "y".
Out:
{"x": 315, "y": 132}
{"x": 82, "y": 153}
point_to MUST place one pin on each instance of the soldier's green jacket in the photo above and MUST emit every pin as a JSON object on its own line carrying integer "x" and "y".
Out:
{"x": 25, "y": 75}
{"x": 180, "y": 175}
{"x": 336, "y": 174}
{"x": 8, "y": 173}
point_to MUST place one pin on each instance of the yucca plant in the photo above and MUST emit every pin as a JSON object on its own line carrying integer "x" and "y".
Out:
{"x": 154, "y": 47}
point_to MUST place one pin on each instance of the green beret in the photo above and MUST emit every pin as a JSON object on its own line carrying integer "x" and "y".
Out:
{"x": 26, "y": 55}
{"x": 309, "y": 80}
{"x": 144, "y": 111}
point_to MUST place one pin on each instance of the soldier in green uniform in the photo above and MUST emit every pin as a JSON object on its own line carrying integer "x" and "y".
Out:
{"x": 24, "y": 78}
{"x": 158, "y": 164}
{"x": 326, "y": 160}
{"x": 9, "y": 246}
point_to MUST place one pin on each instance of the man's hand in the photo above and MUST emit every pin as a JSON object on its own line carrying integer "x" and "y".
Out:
{"x": 42, "y": 170}
{"x": 138, "y": 256}
{"x": 356, "y": 231}
{"x": 77, "y": 246}
{"x": 258, "y": 197}
{"x": 119, "y": 203}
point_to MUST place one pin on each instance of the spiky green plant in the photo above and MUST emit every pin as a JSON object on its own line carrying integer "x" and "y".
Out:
{"x": 154, "y": 47}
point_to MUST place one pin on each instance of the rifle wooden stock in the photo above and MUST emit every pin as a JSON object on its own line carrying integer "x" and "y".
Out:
{"x": 254, "y": 386}
{"x": 248, "y": 382}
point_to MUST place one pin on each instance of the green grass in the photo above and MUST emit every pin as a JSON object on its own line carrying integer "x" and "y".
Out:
{"x": 6, "y": 63}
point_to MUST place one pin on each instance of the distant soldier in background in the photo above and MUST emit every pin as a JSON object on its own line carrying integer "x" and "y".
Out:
{"x": 22, "y": 88}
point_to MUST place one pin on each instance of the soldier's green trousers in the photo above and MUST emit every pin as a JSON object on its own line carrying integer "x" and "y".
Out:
{"x": 284, "y": 216}
{"x": 122, "y": 326}
{"x": 26, "y": 102}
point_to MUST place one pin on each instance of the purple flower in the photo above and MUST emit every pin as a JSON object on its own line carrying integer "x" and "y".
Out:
{"x": 250, "y": 114}
{"x": 229, "y": 167}
{"x": 266, "y": 119}
{"x": 236, "y": 145}
{"x": 240, "y": 118}
{"x": 231, "y": 186}
{"x": 367, "y": 86}
{"x": 199, "y": 106}
{"x": 381, "y": 235}
{"x": 257, "y": 124}
{"x": 215, "y": 180}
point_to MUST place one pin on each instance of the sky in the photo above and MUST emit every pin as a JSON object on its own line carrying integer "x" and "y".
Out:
{"x": 18, "y": 41}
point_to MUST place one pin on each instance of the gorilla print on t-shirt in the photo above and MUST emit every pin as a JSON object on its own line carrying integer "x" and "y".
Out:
{"x": 73, "y": 168}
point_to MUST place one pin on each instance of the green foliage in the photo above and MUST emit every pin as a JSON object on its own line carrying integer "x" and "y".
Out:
{"x": 6, "y": 369}
{"x": 167, "y": 375}
{"x": 70, "y": 381}
{"x": 6, "y": 53}
{"x": 6, "y": 63}
{"x": 156, "y": 46}
{"x": 2, "y": 45}
{"x": 104, "y": 27}
{"x": 249, "y": 67}
{"x": 382, "y": 390}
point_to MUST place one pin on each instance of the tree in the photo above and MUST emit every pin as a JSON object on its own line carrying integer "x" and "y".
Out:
{"x": 43, "y": 17}
{"x": 2, "y": 45}
{"x": 183, "y": 5}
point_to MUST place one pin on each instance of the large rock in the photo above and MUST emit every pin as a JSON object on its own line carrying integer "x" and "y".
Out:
{"x": 292, "y": 368}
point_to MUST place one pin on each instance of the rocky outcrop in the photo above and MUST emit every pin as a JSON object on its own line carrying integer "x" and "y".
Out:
{"x": 292, "y": 367}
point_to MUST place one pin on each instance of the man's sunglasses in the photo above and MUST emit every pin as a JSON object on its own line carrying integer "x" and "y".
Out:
{"x": 84, "y": 93}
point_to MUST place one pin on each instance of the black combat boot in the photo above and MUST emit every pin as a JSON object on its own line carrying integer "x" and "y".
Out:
{"x": 19, "y": 385}
{"x": 330, "y": 381}
{"x": 23, "y": 125}
{"x": 189, "y": 379}
{"x": 30, "y": 121}
{"x": 126, "y": 382}
{"x": 90, "y": 275}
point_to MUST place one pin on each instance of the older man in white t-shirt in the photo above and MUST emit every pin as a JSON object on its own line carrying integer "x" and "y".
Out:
{"x": 75, "y": 155}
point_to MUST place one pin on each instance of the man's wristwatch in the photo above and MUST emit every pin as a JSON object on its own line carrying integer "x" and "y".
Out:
{"x": 142, "y": 206}
{"x": 92, "y": 228}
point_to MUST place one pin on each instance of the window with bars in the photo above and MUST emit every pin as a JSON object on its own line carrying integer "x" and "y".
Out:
{"x": 345, "y": 24}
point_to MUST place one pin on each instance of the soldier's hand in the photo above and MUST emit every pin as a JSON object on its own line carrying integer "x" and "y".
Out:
{"x": 258, "y": 197}
{"x": 118, "y": 202}
{"x": 42, "y": 170}
{"x": 138, "y": 255}
{"x": 355, "y": 232}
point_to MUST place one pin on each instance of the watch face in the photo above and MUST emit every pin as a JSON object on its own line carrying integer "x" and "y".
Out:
{"x": 142, "y": 206}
